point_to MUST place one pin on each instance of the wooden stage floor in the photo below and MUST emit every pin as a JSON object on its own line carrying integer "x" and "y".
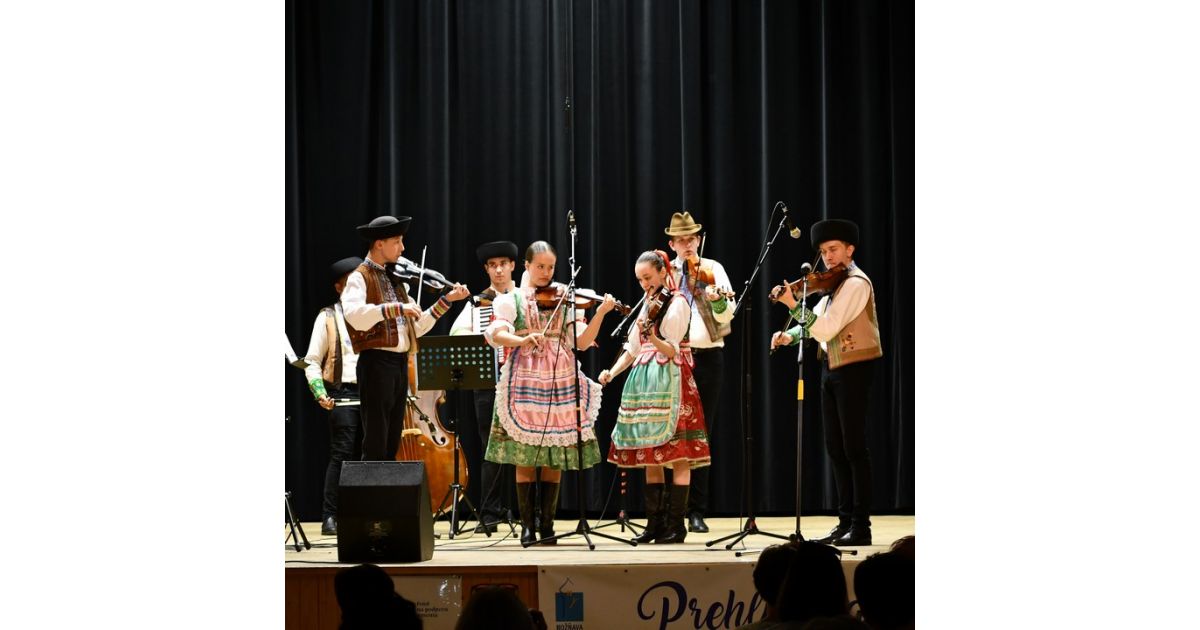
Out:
{"x": 503, "y": 549}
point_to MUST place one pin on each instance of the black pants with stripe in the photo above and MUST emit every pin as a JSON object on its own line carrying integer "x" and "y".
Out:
{"x": 345, "y": 443}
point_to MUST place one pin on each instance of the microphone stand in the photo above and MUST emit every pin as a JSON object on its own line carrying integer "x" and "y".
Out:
{"x": 623, "y": 474}
{"x": 751, "y": 526}
{"x": 582, "y": 528}
{"x": 796, "y": 535}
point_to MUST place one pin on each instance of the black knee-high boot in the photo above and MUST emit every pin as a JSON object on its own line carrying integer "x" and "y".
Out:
{"x": 655, "y": 513}
{"x": 525, "y": 504}
{"x": 549, "y": 507}
{"x": 676, "y": 531}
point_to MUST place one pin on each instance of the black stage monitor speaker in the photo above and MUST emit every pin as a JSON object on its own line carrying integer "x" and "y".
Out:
{"x": 383, "y": 513}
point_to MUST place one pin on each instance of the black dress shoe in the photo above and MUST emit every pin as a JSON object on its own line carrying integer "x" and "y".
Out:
{"x": 696, "y": 523}
{"x": 834, "y": 534}
{"x": 856, "y": 537}
{"x": 329, "y": 526}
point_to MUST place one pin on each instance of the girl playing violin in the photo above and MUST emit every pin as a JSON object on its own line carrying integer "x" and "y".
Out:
{"x": 660, "y": 421}
{"x": 535, "y": 420}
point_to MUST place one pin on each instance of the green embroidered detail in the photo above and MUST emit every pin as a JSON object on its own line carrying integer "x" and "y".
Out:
{"x": 806, "y": 319}
{"x": 503, "y": 449}
{"x": 318, "y": 388}
{"x": 520, "y": 323}
{"x": 719, "y": 305}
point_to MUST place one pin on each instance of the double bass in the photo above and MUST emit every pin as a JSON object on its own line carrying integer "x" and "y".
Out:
{"x": 424, "y": 438}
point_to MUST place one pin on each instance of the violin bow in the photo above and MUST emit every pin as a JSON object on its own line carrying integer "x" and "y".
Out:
{"x": 413, "y": 321}
{"x": 633, "y": 311}
{"x": 421, "y": 277}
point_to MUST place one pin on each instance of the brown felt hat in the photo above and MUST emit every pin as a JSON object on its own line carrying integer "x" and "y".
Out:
{"x": 682, "y": 224}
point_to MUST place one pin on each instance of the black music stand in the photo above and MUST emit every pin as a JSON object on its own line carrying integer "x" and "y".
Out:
{"x": 454, "y": 363}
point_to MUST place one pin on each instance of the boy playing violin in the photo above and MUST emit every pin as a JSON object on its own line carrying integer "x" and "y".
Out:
{"x": 845, "y": 323}
{"x": 706, "y": 287}
{"x": 384, "y": 323}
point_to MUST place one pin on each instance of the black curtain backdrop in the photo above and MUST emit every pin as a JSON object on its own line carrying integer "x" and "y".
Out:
{"x": 456, "y": 113}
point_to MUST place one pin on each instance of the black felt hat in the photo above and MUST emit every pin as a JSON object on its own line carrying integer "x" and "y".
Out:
{"x": 384, "y": 227}
{"x": 343, "y": 267}
{"x": 834, "y": 230}
{"x": 497, "y": 249}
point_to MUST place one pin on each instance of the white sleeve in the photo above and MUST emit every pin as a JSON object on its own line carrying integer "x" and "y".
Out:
{"x": 464, "y": 324}
{"x": 318, "y": 348}
{"x": 675, "y": 322}
{"x": 722, "y": 281}
{"x": 426, "y": 321}
{"x": 851, "y": 300}
{"x": 358, "y": 313}
{"x": 504, "y": 310}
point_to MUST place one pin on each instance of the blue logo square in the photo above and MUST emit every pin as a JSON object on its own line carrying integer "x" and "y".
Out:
{"x": 568, "y": 606}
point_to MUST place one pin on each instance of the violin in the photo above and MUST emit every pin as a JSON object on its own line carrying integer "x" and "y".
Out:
{"x": 408, "y": 271}
{"x": 550, "y": 296}
{"x": 819, "y": 282}
{"x": 485, "y": 298}
{"x": 705, "y": 276}
{"x": 656, "y": 308}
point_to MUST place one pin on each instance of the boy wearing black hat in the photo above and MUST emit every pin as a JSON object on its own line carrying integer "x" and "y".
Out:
{"x": 846, "y": 325}
{"x": 384, "y": 323}
{"x": 332, "y": 374}
{"x": 499, "y": 259}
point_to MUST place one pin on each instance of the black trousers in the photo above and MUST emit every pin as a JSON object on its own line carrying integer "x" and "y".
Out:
{"x": 495, "y": 480}
{"x": 844, "y": 398}
{"x": 345, "y": 444}
{"x": 383, "y": 387}
{"x": 709, "y": 365}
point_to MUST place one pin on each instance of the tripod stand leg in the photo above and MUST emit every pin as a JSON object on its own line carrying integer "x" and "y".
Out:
{"x": 294, "y": 525}
{"x": 478, "y": 517}
{"x": 456, "y": 493}
{"x": 750, "y": 529}
{"x": 622, "y": 515}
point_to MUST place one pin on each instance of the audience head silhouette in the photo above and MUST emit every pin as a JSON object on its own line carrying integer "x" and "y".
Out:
{"x": 495, "y": 609}
{"x": 369, "y": 601}
{"x": 815, "y": 585}
{"x": 885, "y": 587}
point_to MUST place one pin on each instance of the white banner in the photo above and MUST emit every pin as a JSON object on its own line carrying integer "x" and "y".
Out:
{"x": 438, "y": 598}
{"x": 674, "y": 596}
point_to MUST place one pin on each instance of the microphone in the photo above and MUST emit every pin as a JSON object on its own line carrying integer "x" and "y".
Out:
{"x": 571, "y": 220}
{"x": 806, "y": 269}
{"x": 793, "y": 231}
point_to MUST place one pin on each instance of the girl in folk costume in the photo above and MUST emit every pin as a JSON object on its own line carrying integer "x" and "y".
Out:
{"x": 660, "y": 421}
{"x": 535, "y": 419}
